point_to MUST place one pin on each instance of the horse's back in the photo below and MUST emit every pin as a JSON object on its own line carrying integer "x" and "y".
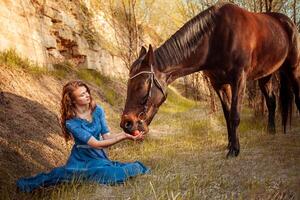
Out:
{"x": 259, "y": 41}
{"x": 293, "y": 35}
{"x": 268, "y": 23}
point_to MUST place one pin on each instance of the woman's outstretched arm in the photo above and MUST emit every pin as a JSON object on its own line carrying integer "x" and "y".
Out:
{"x": 108, "y": 135}
{"x": 113, "y": 139}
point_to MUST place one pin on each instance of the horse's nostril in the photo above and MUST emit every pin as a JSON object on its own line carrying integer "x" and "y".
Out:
{"x": 128, "y": 125}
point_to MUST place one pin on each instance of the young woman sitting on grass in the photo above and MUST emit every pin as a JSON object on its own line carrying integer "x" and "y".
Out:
{"x": 84, "y": 122}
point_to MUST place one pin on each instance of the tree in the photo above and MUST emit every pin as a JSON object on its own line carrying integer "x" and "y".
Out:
{"x": 295, "y": 11}
{"x": 127, "y": 30}
{"x": 127, "y": 18}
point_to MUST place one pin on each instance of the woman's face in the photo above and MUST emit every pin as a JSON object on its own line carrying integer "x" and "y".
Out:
{"x": 81, "y": 96}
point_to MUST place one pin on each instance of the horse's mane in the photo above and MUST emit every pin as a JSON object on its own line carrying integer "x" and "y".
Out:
{"x": 186, "y": 40}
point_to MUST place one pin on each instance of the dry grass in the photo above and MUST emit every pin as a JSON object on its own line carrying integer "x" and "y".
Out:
{"x": 187, "y": 159}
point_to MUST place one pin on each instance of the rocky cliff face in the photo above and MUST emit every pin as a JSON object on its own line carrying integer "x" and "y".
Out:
{"x": 51, "y": 31}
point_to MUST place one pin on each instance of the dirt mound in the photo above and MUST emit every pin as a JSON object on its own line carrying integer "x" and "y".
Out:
{"x": 30, "y": 139}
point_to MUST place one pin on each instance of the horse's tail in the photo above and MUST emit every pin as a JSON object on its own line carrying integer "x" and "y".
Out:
{"x": 286, "y": 99}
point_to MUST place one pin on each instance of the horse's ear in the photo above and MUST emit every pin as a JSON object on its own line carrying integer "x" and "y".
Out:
{"x": 143, "y": 51}
{"x": 149, "y": 59}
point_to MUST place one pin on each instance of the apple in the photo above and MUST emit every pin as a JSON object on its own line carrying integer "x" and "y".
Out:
{"x": 135, "y": 132}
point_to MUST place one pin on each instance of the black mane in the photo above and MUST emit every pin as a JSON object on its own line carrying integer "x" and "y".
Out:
{"x": 186, "y": 40}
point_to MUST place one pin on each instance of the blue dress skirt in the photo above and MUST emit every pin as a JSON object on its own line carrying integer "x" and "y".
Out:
{"x": 86, "y": 163}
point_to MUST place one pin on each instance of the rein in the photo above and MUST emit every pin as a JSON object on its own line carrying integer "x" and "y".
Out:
{"x": 153, "y": 79}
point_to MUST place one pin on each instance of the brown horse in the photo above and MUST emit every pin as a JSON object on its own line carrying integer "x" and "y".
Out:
{"x": 230, "y": 45}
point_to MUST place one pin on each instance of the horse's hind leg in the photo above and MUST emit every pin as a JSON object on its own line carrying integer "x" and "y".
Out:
{"x": 295, "y": 79}
{"x": 289, "y": 84}
{"x": 265, "y": 85}
{"x": 293, "y": 65}
{"x": 291, "y": 68}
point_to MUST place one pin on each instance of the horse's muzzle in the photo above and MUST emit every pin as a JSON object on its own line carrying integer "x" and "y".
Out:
{"x": 130, "y": 123}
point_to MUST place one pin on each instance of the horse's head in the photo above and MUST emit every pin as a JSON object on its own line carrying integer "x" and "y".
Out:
{"x": 146, "y": 91}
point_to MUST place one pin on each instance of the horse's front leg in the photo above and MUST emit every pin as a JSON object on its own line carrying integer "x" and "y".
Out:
{"x": 238, "y": 89}
{"x": 224, "y": 94}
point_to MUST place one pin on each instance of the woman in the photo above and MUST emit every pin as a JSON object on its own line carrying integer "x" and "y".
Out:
{"x": 84, "y": 121}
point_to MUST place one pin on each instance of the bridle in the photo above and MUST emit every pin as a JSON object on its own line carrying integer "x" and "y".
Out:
{"x": 153, "y": 79}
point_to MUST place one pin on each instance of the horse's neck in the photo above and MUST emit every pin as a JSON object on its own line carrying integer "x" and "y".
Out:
{"x": 194, "y": 63}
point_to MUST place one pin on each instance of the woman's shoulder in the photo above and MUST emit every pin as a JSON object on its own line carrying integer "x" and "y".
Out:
{"x": 99, "y": 110}
{"x": 73, "y": 122}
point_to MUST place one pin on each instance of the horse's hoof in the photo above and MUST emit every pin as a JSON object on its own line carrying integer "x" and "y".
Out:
{"x": 233, "y": 152}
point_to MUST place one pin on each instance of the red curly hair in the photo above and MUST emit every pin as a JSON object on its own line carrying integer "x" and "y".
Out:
{"x": 67, "y": 108}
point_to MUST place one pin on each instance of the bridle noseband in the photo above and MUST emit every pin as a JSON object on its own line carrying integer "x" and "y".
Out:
{"x": 153, "y": 79}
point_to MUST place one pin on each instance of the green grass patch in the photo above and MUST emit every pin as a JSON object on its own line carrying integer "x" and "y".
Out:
{"x": 250, "y": 123}
{"x": 104, "y": 83}
{"x": 61, "y": 70}
{"x": 10, "y": 58}
{"x": 176, "y": 103}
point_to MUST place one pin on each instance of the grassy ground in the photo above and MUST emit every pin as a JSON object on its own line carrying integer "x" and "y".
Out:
{"x": 186, "y": 151}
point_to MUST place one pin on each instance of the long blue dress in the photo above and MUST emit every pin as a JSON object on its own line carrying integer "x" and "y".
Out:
{"x": 86, "y": 163}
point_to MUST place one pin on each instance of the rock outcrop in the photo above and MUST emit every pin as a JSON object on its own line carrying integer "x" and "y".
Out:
{"x": 49, "y": 32}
